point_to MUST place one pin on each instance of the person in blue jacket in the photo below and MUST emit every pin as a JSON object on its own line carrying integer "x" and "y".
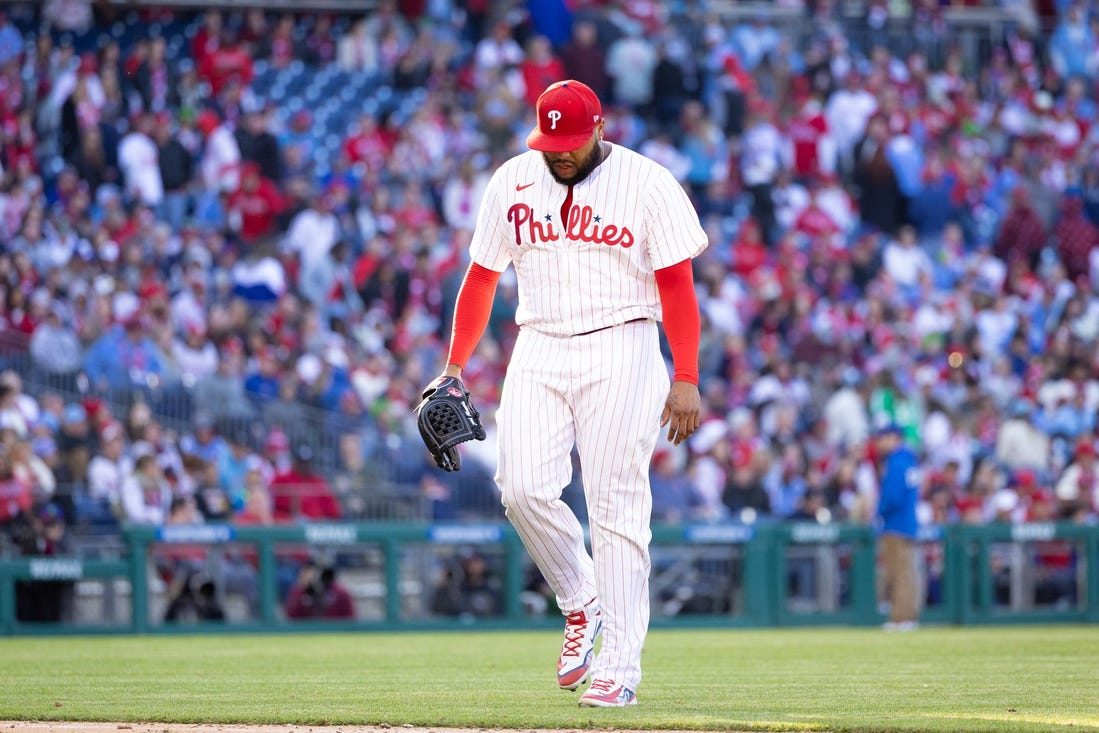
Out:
{"x": 896, "y": 514}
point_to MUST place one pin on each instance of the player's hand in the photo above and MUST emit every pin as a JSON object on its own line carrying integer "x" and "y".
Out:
{"x": 681, "y": 411}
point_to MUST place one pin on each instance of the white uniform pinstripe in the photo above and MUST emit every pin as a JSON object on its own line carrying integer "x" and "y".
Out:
{"x": 584, "y": 371}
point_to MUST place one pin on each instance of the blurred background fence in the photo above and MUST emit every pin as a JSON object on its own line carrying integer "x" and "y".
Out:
{"x": 412, "y": 574}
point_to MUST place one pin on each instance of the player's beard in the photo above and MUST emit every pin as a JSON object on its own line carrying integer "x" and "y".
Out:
{"x": 583, "y": 170}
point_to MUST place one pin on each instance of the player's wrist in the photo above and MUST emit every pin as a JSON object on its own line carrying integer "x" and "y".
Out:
{"x": 452, "y": 370}
{"x": 686, "y": 376}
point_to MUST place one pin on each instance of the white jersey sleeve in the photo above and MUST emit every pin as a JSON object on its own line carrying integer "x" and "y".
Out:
{"x": 489, "y": 247}
{"x": 674, "y": 231}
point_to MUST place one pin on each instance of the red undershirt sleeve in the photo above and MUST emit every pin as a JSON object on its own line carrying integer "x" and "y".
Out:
{"x": 471, "y": 312}
{"x": 682, "y": 323}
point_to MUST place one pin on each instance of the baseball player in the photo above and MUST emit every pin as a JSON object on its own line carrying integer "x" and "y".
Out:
{"x": 601, "y": 239}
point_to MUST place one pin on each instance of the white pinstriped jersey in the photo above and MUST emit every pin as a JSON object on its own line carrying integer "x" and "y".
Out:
{"x": 627, "y": 219}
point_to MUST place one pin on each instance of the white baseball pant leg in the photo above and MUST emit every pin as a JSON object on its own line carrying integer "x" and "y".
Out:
{"x": 536, "y": 433}
{"x": 605, "y": 392}
{"x": 624, "y": 386}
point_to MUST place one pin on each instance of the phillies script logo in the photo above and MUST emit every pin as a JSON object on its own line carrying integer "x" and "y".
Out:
{"x": 582, "y": 227}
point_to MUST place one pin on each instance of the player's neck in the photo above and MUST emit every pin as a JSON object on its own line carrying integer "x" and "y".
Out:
{"x": 604, "y": 151}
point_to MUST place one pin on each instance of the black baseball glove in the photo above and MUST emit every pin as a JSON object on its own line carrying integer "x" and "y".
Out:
{"x": 446, "y": 418}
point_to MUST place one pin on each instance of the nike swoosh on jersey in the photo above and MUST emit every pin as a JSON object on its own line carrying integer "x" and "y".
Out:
{"x": 521, "y": 187}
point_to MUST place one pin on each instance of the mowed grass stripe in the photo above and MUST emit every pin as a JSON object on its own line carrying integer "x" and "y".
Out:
{"x": 937, "y": 679}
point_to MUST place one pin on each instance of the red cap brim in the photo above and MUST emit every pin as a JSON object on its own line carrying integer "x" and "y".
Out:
{"x": 537, "y": 140}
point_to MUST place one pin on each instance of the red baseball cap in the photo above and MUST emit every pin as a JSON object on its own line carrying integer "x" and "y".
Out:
{"x": 568, "y": 112}
{"x": 207, "y": 121}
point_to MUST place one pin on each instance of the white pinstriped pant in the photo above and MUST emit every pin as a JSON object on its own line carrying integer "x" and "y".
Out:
{"x": 604, "y": 392}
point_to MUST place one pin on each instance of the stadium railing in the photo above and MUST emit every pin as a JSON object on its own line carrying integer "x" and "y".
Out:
{"x": 424, "y": 575}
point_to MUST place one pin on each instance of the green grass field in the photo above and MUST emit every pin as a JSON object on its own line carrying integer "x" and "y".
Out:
{"x": 937, "y": 679}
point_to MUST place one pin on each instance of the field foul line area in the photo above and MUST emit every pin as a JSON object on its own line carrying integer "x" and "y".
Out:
{"x": 61, "y": 726}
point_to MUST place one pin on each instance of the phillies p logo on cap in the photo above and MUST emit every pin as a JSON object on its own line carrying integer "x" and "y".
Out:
{"x": 568, "y": 112}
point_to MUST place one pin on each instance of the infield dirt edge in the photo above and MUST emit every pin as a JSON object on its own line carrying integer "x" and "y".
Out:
{"x": 64, "y": 726}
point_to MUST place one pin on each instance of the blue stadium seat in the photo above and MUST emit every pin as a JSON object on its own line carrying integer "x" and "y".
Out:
{"x": 262, "y": 87}
{"x": 297, "y": 87}
{"x": 350, "y": 117}
{"x": 287, "y": 75}
{"x": 174, "y": 49}
{"x": 370, "y": 106}
{"x": 361, "y": 79}
{"x": 341, "y": 122}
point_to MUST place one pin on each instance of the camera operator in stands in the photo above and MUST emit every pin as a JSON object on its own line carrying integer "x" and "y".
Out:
{"x": 318, "y": 594}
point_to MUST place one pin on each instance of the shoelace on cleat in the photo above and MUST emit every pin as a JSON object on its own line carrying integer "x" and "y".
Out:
{"x": 602, "y": 686}
{"x": 574, "y": 633}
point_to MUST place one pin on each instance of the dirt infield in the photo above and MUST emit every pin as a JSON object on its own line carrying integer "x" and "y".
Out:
{"x": 67, "y": 727}
{"x": 85, "y": 727}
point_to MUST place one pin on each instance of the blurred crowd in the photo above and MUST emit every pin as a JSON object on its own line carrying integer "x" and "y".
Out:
{"x": 212, "y": 293}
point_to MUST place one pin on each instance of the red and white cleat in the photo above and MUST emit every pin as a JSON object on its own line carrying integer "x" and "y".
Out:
{"x": 578, "y": 651}
{"x": 607, "y": 694}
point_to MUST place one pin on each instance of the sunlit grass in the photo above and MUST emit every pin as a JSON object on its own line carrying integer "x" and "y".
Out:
{"x": 938, "y": 679}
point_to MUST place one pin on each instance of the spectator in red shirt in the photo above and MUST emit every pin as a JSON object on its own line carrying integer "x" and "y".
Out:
{"x": 585, "y": 58}
{"x": 814, "y": 222}
{"x": 301, "y": 493}
{"x": 255, "y": 205}
{"x": 748, "y": 251}
{"x": 282, "y": 47}
{"x": 540, "y": 68}
{"x": 207, "y": 38}
{"x": 808, "y": 133}
{"x": 19, "y": 147}
{"x": 1022, "y": 234}
{"x": 1075, "y": 237}
{"x": 230, "y": 60}
{"x": 368, "y": 143}
{"x": 415, "y": 212}
{"x": 136, "y": 58}
{"x": 15, "y": 496}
